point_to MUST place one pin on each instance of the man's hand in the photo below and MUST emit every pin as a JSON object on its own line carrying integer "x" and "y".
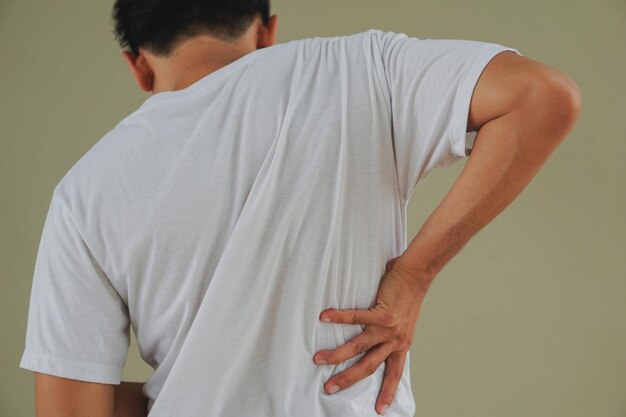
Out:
{"x": 389, "y": 332}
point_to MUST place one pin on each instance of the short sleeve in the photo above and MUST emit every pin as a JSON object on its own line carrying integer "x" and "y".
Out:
{"x": 78, "y": 326}
{"x": 430, "y": 84}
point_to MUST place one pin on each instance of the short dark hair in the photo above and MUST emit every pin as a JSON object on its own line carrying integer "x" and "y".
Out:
{"x": 158, "y": 26}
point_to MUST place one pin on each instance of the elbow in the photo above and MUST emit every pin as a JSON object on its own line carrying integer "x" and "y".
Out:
{"x": 559, "y": 99}
{"x": 570, "y": 96}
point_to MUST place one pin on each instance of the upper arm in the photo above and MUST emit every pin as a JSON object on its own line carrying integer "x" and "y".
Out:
{"x": 509, "y": 79}
{"x": 429, "y": 83}
{"x": 63, "y": 397}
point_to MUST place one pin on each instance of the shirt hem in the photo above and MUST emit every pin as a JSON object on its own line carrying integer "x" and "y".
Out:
{"x": 67, "y": 368}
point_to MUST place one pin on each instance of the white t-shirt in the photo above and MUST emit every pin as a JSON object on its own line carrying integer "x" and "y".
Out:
{"x": 219, "y": 221}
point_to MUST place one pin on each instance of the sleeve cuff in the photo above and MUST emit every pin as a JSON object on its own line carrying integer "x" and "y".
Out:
{"x": 462, "y": 142}
{"x": 83, "y": 371}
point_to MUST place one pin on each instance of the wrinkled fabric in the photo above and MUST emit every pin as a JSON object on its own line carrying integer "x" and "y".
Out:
{"x": 219, "y": 220}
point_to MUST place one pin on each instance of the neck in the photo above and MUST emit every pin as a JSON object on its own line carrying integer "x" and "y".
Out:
{"x": 194, "y": 59}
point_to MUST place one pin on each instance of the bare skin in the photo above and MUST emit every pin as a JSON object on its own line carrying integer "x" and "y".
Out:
{"x": 130, "y": 400}
{"x": 196, "y": 57}
{"x": 58, "y": 397}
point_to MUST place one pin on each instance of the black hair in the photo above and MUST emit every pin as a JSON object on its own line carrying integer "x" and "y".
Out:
{"x": 159, "y": 25}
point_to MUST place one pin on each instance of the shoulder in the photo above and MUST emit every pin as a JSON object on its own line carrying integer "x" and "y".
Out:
{"x": 341, "y": 40}
{"x": 510, "y": 80}
{"x": 96, "y": 170}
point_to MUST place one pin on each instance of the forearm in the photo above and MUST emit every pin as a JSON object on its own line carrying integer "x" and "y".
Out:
{"x": 130, "y": 400}
{"x": 507, "y": 154}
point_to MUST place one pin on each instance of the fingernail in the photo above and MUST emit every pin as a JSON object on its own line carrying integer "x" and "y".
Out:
{"x": 333, "y": 389}
{"x": 384, "y": 409}
{"x": 321, "y": 362}
{"x": 325, "y": 318}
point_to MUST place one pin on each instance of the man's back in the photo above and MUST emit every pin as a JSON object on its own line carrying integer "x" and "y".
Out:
{"x": 222, "y": 218}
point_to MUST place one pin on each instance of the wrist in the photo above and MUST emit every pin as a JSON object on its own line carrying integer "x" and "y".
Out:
{"x": 416, "y": 276}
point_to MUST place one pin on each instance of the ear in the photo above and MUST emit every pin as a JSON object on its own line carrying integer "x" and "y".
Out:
{"x": 267, "y": 33}
{"x": 140, "y": 69}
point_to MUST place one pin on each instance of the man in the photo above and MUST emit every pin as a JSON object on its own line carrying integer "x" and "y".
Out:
{"x": 262, "y": 188}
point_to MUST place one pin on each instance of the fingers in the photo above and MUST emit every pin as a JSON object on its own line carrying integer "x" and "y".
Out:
{"x": 349, "y": 316}
{"x": 355, "y": 346}
{"x": 394, "y": 368}
{"x": 362, "y": 369}
{"x": 379, "y": 314}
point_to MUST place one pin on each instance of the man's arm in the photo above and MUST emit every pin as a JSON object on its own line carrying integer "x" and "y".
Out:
{"x": 63, "y": 397}
{"x": 522, "y": 110}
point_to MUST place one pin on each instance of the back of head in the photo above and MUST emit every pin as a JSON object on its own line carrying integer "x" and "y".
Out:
{"x": 158, "y": 26}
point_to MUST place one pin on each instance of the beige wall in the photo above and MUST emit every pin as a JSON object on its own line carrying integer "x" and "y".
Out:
{"x": 527, "y": 320}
